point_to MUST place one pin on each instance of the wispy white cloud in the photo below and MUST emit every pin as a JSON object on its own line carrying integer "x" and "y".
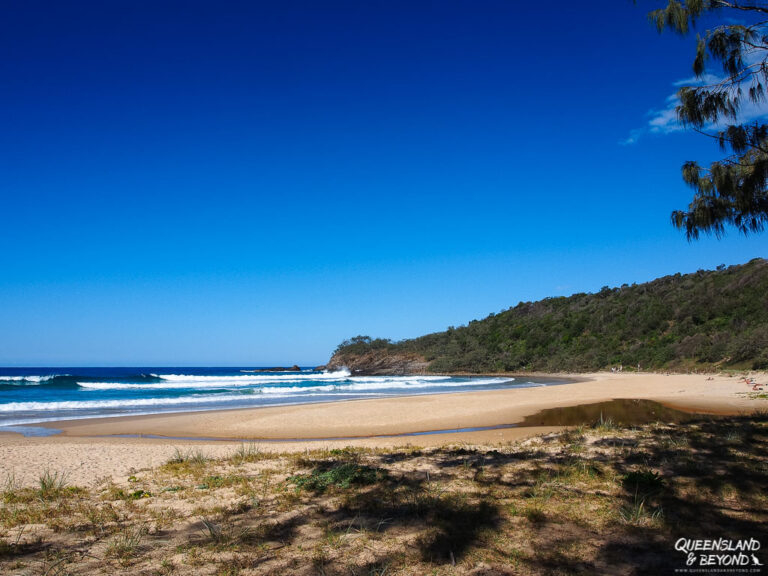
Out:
{"x": 693, "y": 81}
{"x": 634, "y": 136}
{"x": 664, "y": 120}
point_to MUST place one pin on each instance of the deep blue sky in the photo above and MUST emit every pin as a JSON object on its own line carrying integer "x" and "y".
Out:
{"x": 248, "y": 183}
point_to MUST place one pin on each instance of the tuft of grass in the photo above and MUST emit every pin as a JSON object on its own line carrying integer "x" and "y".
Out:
{"x": 645, "y": 481}
{"x": 9, "y": 548}
{"x": 573, "y": 439}
{"x": 542, "y": 488}
{"x": 191, "y": 461}
{"x": 673, "y": 442}
{"x": 225, "y": 535}
{"x": 247, "y": 453}
{"x": 10, "y": 484}
{"x": 125, "y": 545}
{"x": 338, "y": 475}
{"x": 51, "y": 485}
{"x": 639, "y": 513}
{"x": 320, "y": 559}
{"x": 166, "y": 567}
{"x": 212, "y": 531}
{"x": 11, "y": 489}
{"x": 605, "y": 424}
{"x": 57, "y": 565}
{"x": 379, "y": 569}
{"x": 733, "y": 437}
{"x": 535, "y": 514}
{"x": 190, "y": 456}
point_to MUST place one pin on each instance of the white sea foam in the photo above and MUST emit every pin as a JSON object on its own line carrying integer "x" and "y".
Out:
{"x": 186, "y": 409}
{"x": 124, "y": 403}
{"x": 184, "y": 381}
{"x": 206, "y": 385}
{"x": 146, "y": 402}
{"x": 399, "y": 384}
{"x": 29, "y": 379}
{"x": 234, "y": 391}
{"x": 420, "y": 382}
{"x": 330, "y": 381}
{"x": 254, "y": 378}
{"x": 400, "y": 378}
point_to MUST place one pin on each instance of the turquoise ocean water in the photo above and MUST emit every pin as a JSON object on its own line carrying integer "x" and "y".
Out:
{"x": 36, "y": 395}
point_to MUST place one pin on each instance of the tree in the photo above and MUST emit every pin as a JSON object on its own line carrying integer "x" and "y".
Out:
{"x": 732, "y": 191}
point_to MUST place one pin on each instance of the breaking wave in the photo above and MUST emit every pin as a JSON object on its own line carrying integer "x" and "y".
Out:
{"x": 91, "y": 392}
{"x": 328, "y": 381}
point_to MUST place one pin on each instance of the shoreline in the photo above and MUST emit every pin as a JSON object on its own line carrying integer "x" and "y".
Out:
{"x": 43, "y": 419}
{"x": 87, "y": 450}
{"x": 411, "y": 414}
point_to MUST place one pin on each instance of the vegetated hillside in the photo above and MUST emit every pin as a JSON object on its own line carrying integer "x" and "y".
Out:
{"x": 701, "y": 320}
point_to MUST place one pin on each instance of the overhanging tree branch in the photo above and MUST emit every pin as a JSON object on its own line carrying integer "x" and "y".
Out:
{"x": 734, "y": 190}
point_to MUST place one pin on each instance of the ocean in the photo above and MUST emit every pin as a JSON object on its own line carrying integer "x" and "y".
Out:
{"x": 36, "y": 395}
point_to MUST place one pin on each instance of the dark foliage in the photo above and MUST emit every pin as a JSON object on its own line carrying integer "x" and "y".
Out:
{"x": 705, "y": 319}
{"x": 341, "y": 475}
{"x": 732, "y": 191}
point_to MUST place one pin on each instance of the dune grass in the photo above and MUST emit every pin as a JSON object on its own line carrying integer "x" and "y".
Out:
{"x": 596, "y": 499}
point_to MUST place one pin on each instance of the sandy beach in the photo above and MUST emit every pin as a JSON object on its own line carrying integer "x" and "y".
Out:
{"x": 87, "y": 451}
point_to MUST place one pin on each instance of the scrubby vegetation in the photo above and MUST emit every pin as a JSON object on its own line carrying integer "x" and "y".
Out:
{"x": 592, "y": 499}
{"x": 702, "y": 320}
{"x": 341, "y": 475}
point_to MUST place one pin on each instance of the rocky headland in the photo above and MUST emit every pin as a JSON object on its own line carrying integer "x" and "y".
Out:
{"x": 378, "y": 363}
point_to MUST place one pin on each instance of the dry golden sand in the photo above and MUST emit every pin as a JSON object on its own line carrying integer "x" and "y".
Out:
{"x": 85, "y": 455}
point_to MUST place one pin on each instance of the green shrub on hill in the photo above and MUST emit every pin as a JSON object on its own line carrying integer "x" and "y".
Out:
{"x": 705, "y": 319}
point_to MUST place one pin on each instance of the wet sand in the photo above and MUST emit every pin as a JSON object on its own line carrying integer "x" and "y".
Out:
{"x": 88, "y": 450}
